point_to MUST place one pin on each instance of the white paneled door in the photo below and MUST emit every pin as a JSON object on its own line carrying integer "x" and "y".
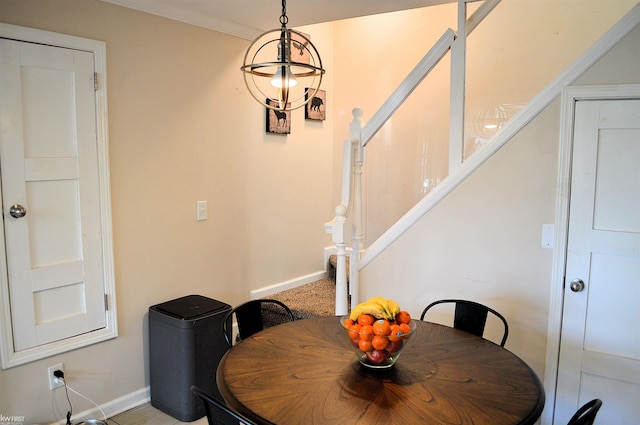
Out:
{"x": 600, "y": 341}
{"x": 50, "y": 193}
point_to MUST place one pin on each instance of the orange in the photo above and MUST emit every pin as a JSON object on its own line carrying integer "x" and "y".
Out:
{"x": 365, "y": 345}
{"x": 366, "y": 333}
{"x": 405, "y": 329}
{"x": 366, "y": 319}
{"x": 348, "y": 323}
{"x": 381, "y": 327}
{"x": 354, "y": 332}
{"x": 403, "y": 317}
{"x": 396, "y": 333}
{"x": 380, "y": 342}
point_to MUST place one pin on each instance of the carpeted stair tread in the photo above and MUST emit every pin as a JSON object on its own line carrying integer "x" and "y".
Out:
{"x": 311, "y": 300}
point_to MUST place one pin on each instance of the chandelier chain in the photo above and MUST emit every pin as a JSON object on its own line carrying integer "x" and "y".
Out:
{"x": 284, "y": 19}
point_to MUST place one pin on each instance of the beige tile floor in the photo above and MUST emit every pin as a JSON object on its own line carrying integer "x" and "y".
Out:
{"x": 149, "y": 415}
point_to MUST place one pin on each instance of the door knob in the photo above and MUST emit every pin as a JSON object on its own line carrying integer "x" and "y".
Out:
{"x": 17, "y": 211}
{"x": 576, "y": 285}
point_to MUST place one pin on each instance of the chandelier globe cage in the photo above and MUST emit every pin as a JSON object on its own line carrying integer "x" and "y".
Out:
{"x": 282, "y": 69}
{"x": 489, "y": 119}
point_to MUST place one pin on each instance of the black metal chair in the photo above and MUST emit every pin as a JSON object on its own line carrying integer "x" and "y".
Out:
{"x": 255, "y": 315}
{"x": 587, "y": 413}
{"x": 210, "y": 406}
{"x": 471, "y": 317}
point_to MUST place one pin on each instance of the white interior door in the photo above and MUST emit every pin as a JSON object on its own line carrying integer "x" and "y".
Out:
{"x": 600, "y": 341}
{"x": 48, "y": 158}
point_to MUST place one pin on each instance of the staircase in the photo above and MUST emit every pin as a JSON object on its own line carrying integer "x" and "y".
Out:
{"x": 309, "y": 300}
{"x": 347, "y": 226}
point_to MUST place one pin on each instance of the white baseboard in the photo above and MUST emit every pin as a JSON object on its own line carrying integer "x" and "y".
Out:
{"x": 289, "y": 284}
{"x": 143, "y": 395}
{"x": 113, "y": 407}
{"x": 127, "y": 402}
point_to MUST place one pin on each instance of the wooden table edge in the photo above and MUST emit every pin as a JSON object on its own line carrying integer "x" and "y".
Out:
{"x": 236, "y": 405}
{"x": 231, "y": 400}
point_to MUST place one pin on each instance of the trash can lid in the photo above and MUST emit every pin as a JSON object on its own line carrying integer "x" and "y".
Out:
{"x": 190, "y": 307}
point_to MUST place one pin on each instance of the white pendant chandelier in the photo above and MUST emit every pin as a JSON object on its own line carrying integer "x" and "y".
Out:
{"x": 282, "y": 68}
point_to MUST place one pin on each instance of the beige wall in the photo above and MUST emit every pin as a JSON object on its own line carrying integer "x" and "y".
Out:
{"x": 511, "y": 56}
{"x": 182, "y": 128}
{"x": 483, "y": 241}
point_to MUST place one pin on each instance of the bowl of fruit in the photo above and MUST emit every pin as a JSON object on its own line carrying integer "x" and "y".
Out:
{"x": 378, "y": 331}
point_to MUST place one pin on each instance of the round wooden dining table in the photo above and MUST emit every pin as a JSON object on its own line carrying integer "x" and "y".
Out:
{"x": 305, "y": 372}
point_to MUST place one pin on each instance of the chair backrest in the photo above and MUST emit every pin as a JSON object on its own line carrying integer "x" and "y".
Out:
{"x": 212, "y": 405}
{"x": 471, "y": 317}
{"x": 255, "y": 315}
{"x": 587, "y": 413}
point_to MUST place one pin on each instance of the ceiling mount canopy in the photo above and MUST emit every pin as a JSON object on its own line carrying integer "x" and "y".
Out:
{"x": 282, "y": 69}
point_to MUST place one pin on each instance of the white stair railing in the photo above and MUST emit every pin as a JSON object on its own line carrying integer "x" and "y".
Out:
{"x": 347, "y": 225}
{"x": 347, "y": 228}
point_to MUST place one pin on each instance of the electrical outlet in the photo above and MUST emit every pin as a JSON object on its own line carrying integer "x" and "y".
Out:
{"x": 53, "y": 381}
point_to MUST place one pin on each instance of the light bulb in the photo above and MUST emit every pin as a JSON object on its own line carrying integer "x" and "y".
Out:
{"x": 283, "y": 78}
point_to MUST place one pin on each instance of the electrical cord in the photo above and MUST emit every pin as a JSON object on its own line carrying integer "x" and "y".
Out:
{"x": 60, "y": 375}
{"x": 104, "y": 417}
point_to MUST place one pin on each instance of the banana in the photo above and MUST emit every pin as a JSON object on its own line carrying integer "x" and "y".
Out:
{"x": 378, "y": 300}
{"x": 355, "y": 313}
{"x": 373, "y": 309}
{"x": 367, "y": 308}
{"x": 393, "y": 308}
{"x": 378, "y": 307}
{"x": 383, "y": 304}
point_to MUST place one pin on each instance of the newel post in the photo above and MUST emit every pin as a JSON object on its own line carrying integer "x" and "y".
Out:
{"x": 340, "y": 234}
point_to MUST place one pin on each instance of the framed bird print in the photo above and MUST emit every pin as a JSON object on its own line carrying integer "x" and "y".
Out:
{"x": 299, "y": 48}
{"x": 316, "y": 108}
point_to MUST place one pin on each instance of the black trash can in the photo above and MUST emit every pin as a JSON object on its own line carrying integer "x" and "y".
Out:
{"x": 186, "y": 343}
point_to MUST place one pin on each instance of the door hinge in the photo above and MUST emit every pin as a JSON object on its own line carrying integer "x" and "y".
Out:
{"x": 95, "y": 81}
{"x": 106, "y": 302}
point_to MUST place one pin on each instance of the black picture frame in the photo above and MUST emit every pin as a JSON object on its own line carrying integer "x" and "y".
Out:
{"x": 316, "y": 109}
{"x": 277, "y": 122}
{"x": 300, "y": 48}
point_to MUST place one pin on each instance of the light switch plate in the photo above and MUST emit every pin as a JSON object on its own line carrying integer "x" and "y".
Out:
{"x": 548, "y": 236}
{"x": 202, "y": 212}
